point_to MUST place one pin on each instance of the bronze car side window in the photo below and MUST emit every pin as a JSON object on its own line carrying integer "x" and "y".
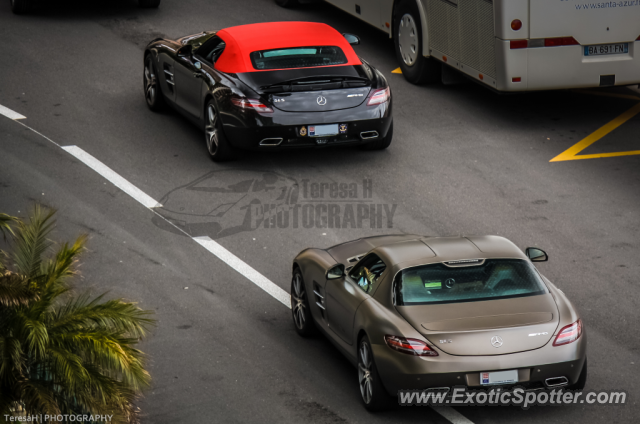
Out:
{"x": 367, "y": 272}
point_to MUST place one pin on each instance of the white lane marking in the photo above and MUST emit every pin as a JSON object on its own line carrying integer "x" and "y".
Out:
{"x": 236, "y": 263}
{"x": 229, "y": 258}
{"x": 10, "y": 114}
{"x": 452, "y": 415}
{"x": 112, "y": 176}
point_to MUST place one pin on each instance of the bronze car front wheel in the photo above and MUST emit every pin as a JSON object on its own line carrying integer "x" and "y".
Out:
{"x": 300, "y": 312}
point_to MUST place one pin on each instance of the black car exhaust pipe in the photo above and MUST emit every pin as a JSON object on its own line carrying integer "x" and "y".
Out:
{"x": 368, "y": 134}
{"x": 271, "y": 142}
{"x": 556, "y": 381}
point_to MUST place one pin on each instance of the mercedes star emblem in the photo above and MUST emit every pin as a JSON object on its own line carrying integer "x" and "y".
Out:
{"x": 321, "y": 100}
{"x": 496, "y": 341}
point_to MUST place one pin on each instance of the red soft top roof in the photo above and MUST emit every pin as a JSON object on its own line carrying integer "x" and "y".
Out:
{"x": 244, "y": 39}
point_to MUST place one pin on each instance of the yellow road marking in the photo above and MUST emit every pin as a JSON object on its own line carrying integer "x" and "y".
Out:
{"x": 572, "y": 152}
{"x": 397, "y": 71}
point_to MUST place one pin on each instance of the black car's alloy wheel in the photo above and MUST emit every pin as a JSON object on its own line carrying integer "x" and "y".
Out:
{"x": 217, "y": 144}
{"x": 152, "y": 93}
{"x": 373, "y": 394}
{"x": 300, "y": 306}
{"x": 407, "y": 27}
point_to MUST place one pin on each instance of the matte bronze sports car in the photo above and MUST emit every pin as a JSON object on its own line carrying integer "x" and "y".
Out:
{"x": 271, "y": 86}
{"x": 414, "y": 312}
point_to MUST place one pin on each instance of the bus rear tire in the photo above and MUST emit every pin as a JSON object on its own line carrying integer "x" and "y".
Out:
{"x": 407, "y": 36}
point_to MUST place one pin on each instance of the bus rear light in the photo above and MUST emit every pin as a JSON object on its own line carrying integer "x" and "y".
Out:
{"x": 518, "y": 44}
{"x": 516, "y": 79}
{"x": 560, "y": 41}
{"x": 444, "y": 58}
{"x": 481, "y": 77}
{"x": 516, "y": 24}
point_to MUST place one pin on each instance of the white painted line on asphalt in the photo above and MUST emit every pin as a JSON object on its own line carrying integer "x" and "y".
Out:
{"x": 112, "y": 176}
{"x": 10, "y": 114}
{"x": 239, "y": 265}
{"x": 451, "y": 414}
{"x": 212, "y": 246}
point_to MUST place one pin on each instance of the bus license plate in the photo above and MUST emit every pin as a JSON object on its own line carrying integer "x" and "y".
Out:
{"x": 602, "y": 49}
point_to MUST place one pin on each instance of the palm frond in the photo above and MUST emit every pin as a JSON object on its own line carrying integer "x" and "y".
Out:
{"x": 5, "y": 224}
{"x": 59, "y": 269}
{"x": 115, "y": 314}
{"x": 14, "y": 290}
{"x": 31, "y": 241}
{"x": 39, "y": 397}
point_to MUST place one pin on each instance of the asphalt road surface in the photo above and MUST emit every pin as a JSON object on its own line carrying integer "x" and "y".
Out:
{"x": 463, "y": 161}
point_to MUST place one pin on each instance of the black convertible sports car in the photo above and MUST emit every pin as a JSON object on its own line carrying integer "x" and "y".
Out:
{"x": 271, "y": 86}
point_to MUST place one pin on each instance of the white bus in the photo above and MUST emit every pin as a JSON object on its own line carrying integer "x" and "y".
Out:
{"x": 511, "y": 45}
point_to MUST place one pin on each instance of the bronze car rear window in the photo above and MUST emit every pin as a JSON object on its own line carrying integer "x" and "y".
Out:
{"x": 494, "y": 279}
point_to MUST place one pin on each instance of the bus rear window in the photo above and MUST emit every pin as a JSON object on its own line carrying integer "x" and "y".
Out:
{"x": 298, "y": 57}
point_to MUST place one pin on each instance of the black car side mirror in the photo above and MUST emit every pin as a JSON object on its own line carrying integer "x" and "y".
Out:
{"x": 536, "y": 255}
{"x": 335, "y": 272}
{"x": 185, "y": 51}
{"x": 352, "y": 39}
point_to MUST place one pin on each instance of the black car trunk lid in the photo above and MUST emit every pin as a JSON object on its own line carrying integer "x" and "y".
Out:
{"x": 319, "y": 101}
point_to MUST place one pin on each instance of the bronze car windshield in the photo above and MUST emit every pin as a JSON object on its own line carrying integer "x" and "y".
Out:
{"x": 494, "y": 279}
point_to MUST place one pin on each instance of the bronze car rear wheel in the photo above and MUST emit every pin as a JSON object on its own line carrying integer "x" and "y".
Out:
{"x": 300, "y": 312}
{"x": 372, "y": 391}
{"x": 582, "y": 380}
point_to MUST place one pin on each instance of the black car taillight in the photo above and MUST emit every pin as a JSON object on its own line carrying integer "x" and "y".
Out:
{"x": 250, "y": 104}
{"x": 569, "y": 334}
{"x": 409, "y": 346}
{"x": 379, "y": 96}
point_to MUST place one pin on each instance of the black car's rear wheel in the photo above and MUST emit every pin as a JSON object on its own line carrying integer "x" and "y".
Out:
{"x": 381, "y": 143}
{"x": 287, "y": 3}
{"x": 20, "y": 7}
{"x": 149, "y": 3}
{"x": 372, "y": 392}
{"x": 152, "y": 92}
{"x": 300, "y": 312}
{"x": 407, "y": 27}
{"x": 217, "y": 144}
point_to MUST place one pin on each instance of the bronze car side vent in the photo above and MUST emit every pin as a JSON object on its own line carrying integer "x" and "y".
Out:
{"x": 319, "y": 298}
